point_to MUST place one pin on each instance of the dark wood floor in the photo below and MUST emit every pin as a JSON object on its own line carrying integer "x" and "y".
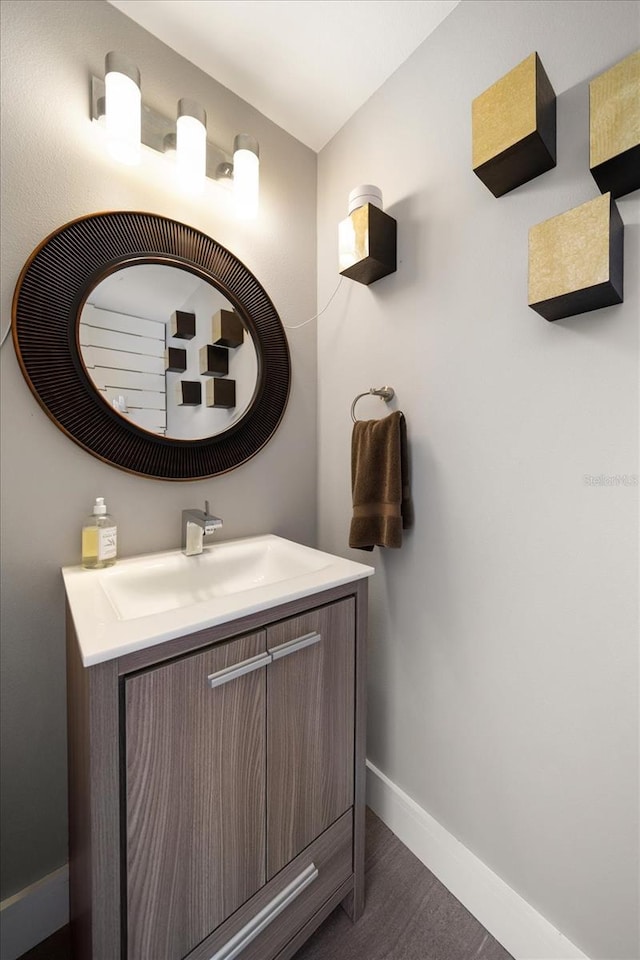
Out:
{"x": 409, "y": 916}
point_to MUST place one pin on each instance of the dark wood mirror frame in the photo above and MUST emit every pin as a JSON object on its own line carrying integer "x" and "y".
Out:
{"x": 49, "y": 295}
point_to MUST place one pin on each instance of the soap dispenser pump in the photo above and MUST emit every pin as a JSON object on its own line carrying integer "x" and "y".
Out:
{"x": 99, "y": 538}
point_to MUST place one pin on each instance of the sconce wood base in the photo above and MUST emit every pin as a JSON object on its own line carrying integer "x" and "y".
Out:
{"x": 614, "y": 127}
{"x": 576, "y": 260}
{"x": 514, "y": 128}
{"x": 367, "y": 244}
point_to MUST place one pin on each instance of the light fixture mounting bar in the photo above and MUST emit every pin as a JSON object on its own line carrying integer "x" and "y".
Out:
{"x": 156, "y": 127}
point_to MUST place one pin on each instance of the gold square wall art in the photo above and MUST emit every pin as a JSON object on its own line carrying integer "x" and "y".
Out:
{"x": 514, "y": 128}
{"x": 614, "y": 127}
{"x": 576, "y": 260}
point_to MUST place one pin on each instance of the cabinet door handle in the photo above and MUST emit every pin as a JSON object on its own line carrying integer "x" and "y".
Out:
{"x": 238, "y": 669}
{"x": 257, "y": 924}
{"x": 292, "y": 646}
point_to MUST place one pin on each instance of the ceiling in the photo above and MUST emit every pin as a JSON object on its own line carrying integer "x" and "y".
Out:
{"x": 308, "y": 65}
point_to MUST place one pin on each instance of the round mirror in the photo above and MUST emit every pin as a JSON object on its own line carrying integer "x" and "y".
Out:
{"x": 151, "y": 345}
{"x": 167, "y": 350}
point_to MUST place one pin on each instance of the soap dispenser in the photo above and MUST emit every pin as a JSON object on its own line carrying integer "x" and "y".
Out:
{"x": 99, "y": 538}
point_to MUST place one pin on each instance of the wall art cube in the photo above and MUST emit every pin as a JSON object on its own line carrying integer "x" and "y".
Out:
{"x": 514, "y": 128}
{"x": 614, "y": 127}
{"x": 189, "y": 393}
{"x": 227, "y": 329}
{"x": 214, "y": 361}
{"x": 576, "y": 260}
{"x": 221, "y": 392}
{"x": 175, "y": 359}
{"x": 183, "y": 325}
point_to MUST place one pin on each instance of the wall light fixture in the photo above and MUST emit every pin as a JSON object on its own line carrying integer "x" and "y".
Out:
{"x": 122, "y": 108}
{"x": 191, "y": 146}
{"x": 367, "y": 238}
{"x": 246, "y": 176}
{"x": 116, "y": 104}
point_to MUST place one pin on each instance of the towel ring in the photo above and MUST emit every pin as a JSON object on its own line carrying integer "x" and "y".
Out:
{"x": 387, "y": 393}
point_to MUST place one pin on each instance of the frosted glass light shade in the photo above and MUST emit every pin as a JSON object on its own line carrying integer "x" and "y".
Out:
{"x": 191, "y": 146}
{"x": 365, "y": 193}
{"x": 246, "y": 176}
{"x": 123, "y": 109}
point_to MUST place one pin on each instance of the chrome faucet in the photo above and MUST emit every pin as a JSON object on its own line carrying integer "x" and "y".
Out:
{"x": 196, "y": 525}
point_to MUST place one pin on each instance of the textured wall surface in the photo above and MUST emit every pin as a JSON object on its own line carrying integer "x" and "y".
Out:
{"x": 504, "y": 636}
{"x": 55, "y": 169}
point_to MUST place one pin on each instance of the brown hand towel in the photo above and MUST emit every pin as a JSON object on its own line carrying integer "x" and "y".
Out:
{"x": 379, "y": 482}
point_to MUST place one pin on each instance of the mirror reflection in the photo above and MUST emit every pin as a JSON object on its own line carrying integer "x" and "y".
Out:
{"x": 167, "y": 350}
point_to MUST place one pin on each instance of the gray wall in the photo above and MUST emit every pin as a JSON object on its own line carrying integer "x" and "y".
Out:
{"x": 54, "y": 170}
{"x": 503, "y": 647}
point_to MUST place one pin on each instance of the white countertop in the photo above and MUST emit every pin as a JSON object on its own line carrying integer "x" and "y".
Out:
{"x": 143, "y": 601}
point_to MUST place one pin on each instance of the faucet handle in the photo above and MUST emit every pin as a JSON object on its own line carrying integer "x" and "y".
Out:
{"x": 211, "y": 523}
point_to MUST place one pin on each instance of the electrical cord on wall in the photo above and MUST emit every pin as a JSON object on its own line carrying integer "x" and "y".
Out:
{"x": 326, "y": 307}
{"x": 294, "y": 327}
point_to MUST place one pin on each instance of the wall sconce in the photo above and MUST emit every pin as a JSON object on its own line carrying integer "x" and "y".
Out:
{"x": 191, "y": 146}
{"x": 116, "y": 103}
{"x": 246, "y": 176}
{"x": 122, "y": 108}
{"x": 367, "y": 238}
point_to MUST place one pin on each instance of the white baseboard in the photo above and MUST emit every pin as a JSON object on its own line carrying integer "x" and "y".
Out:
{"x": 38, "y": 911}
{"x": 514, "y": 923}
{"x": 33, "y": 914}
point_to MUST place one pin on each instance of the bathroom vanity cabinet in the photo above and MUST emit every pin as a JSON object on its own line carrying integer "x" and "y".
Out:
{"x": 217, "y": 785}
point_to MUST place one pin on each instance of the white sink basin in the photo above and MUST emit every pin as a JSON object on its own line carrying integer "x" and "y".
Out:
{"x": 145, "y": 600}
{"x": 169, "y": 581}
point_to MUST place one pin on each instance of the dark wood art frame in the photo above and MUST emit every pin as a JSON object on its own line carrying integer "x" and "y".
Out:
{"x": 50, "y": 293}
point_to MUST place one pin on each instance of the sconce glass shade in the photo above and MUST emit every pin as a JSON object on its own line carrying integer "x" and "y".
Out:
{"x": 123, "y": 108}
{"x": 191, "y": 146}
{"x": 246, "y": 176}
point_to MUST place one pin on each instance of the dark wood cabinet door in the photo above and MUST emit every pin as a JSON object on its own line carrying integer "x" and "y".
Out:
{"x": 195, "y": 795}
{"x": 310, "y": 728}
